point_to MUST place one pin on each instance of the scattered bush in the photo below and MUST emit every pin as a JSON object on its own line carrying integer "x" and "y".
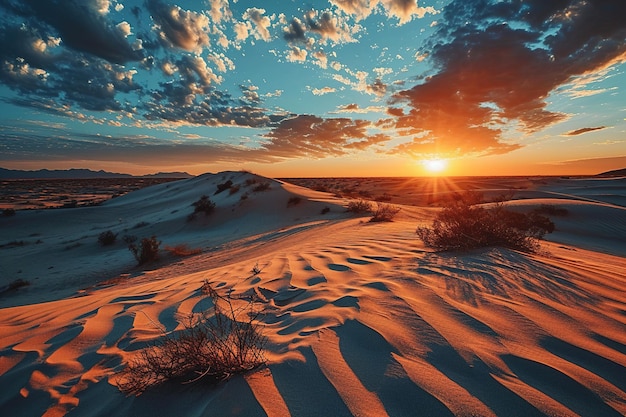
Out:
{"x": 223, "y": 187}
{"x": 14, "y": 285}
{"x": 264, "y": 186}
{"x": 107, "y": 238}
{"x": 551, "y": 210}
{"x": 203, "y": 205}
{"x": 384, "y": 212}
{"x": 325, "y": 210}
{"x": 294, "y": 201}
{"x": 251, "y": 181}
{"x": 462, "y": 225}
{"x": 147, "y": 251}
{"x": 359, "y": 206}
{"x": 212, "y": 347}
{"x": 233, "y": 189}
{"x": 244, "y": 196}
{"x": 8, "y": 212}
{"x": 182, "y": 250}
{"x": 140, "y": 225}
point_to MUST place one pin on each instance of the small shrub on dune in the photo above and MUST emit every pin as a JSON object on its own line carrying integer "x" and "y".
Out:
{"x": 294, "y": 201}
{"x": 551, "y": 210}
{"x": 462, "y": 225}
{"x": 233, "y": 189}
{"x": 203, "y": 205}
{"x": 107, "y": 238}
{"x": 182, "y": 250}
{"x": 384, "y": 212}
{"x": 264, "y": 186}
{"x": 146, "y": 251}
{"x": 213, "y": 346}
{"x": 359, "y": 206}
{"x": 14, "y": 285}
{"x": 223, "y": 187}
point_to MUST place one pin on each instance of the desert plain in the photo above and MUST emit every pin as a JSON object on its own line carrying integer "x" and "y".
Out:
{"x": 361, "y": 318}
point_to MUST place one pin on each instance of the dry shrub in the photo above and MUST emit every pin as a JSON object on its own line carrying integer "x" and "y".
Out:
{"x": 264, "y": 186}
{"x": 203, "y": 205}
{"x": 384, "y": 212}
{"x": 223, "y": 187}
{"x": 464, "y": 225}
{"x": 107, "y": 238}
{"x": 359, "y": 206}
{"x": 213, "y": 346}
{"x": 146, "y": 251}
{"x": 294, "y": 201}
{"x": 183, "y": 250}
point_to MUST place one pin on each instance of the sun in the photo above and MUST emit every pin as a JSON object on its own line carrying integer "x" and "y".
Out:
{"x": 435, "y": 166}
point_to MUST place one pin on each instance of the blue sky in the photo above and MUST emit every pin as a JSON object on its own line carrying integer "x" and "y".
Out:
{"x": 322, "y": 88}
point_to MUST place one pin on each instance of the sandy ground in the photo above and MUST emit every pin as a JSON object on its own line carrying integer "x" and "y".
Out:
{"x": 361, "y": 318}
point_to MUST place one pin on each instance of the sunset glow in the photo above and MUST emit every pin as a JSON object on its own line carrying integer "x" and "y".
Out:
{"x": 436, "y": 166}
{"x": 330, "y": 88}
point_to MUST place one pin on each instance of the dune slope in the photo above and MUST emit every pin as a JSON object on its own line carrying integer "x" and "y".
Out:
{"x": 361, "y": 319}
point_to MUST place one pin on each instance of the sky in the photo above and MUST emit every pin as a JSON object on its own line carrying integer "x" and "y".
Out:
{"x": 314, "y": 89}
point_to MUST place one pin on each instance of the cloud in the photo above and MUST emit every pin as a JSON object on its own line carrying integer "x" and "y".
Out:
{"x": 583, "y": 130}
{"x": 81, "y": 26}
{"x": 329, "y": 27}
{"x": 321, "y": 59}
{"x": 296, "y": 54}
{"x": 261, "y": 23}
{"x": 406, "y": 10}
{"x": 314, "y": 137}
{"x": 496, "y": 66}
{"x": 377, "y": 88}
{"x": 295, "y": 31}
{"x": 180, "y": 28}
{"x": 322, "y": 91}
{"x": 403, "y": 10}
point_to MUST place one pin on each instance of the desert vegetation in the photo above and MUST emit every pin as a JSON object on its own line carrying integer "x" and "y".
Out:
{"x": 359, "y": 206}
{"x": 384, "y": 212}
{"x": 146, "y": 251}
{"x": 224, "y": 186}
{"x": 183, "y": 250}
{"x": 107, "y": 238}
{"x": 294, "y": 201}
{"x": 202, "y": 205}
{"x": 263, "y": 186}
{"x": 464, "y": 224}
{"x": 213, "y": 346}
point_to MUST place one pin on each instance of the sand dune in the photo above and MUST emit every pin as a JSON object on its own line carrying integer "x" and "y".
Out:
{"x": 361, "y": 318}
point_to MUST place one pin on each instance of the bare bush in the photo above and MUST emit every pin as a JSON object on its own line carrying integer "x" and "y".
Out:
{"x": 203, "y": 205}
{"x": 107, "y": 238}
{"x": 264, "y": 186}
{"x": 384, "y": 212}
{"x": 359, "y": 206}
{"x": 462, "y": 225}
{"x": 223, "y": 187}
{"x": 294, "y": 201}
{"x": 146, "y": 251}
{"x": 182, "y": 250}
{"x": 213, "y": 346}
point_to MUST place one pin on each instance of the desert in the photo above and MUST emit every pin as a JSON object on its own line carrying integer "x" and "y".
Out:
{"x": 360, "y": 318}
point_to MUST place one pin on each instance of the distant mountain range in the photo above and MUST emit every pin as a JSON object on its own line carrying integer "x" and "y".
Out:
{"x": 80, "y": 174}
{"x": 614, "y": 173}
